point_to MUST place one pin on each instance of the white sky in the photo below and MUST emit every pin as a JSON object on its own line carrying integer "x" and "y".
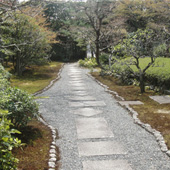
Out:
{"x": 22, "y": 0}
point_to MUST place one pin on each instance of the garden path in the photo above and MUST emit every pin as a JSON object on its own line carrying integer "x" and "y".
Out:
{"x": 95, "y": 132}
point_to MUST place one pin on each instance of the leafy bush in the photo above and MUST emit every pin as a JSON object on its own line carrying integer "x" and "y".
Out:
{"x": 123, "y": 72}
{"x": 7, "y": 143}
{"x": 21, "y": 106}
{"x": 4, "y": 73}
{"x": 88, "y": 62}
{"x": 104, "y": 58}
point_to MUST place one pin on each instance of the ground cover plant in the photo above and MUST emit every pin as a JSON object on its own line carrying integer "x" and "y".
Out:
{"x": 151, "y": 112}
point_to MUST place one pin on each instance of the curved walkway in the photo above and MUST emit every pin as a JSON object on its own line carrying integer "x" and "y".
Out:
{"x": 95, "y": 132}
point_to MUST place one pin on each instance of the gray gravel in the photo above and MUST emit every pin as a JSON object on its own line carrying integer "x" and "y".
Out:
{"x": 143, "y": 152}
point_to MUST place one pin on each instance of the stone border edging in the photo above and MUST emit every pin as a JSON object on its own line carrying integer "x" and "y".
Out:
{"x": 147, "y": 127}
{"x": 52, "y": 152}
{"x": 51, "y": 82}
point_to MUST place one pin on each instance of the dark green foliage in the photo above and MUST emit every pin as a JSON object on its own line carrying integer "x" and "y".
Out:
{"x": 104, "y": 58}
{"x": 7, "y": 143}
{"x": 21, "y": 106}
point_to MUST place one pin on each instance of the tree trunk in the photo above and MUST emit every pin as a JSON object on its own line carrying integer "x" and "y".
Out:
{"x": 142, "y": 82}
{"x": 18, "y": 66}
{"x": 97, "y": 47}
{"x": 97, "y": 55}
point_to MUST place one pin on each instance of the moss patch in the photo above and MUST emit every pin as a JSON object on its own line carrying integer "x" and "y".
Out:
{"x": 34, "y": 155}
{"x": 36, "y": 78}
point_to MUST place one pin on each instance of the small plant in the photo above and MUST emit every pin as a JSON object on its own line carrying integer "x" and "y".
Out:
{"x": 88, "y": 62}
{"x": 7, "y": 143}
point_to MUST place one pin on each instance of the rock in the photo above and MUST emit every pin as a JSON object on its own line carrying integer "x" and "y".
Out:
{"x": 168, "y": 153}
{"x": 52, "y": 155}
{"x": 52, "y": 159}
{"x": 51, "y": 164}
{"x": 52, "y": 147}
{"x": 52, "y": 151}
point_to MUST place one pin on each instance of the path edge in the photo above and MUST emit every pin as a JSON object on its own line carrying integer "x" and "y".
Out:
{"x": 52, "y": 162}
{"x": 51, "y": 82}
{"x": 147, "y": 127}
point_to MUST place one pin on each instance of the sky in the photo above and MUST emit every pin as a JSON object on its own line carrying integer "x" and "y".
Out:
{"x": 22, "y": 0}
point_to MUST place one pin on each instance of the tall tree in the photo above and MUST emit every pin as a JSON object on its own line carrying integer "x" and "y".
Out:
{"x": 146, "y": 43}
{"x": 100, "y": 24}
{"x": 32, "y": 41}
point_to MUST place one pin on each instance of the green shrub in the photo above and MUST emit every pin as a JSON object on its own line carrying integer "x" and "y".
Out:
{"x": 5, "y": 74}
{"x": 104, "y": 58}
{"x": 21, "y": 106}
{"x": 7, "y": 143}
{"x": 123, "y": 72}
{"x": 88, "y": 62}
{"x": 4, "y": 77}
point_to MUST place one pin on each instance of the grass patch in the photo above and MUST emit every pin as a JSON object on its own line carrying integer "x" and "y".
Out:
{"x": 36, "y": 78}
{"x": 151, "y": 112}
{"x": 160, "y": 70}
{"x": 34, "y": 155}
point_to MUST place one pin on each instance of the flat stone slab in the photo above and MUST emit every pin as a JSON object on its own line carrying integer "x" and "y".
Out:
{"x": 100, "y": 148}
{"x": 75, "y": 81}
{"x": 106, "y": 165}
{"x": 78, "y": 88}
{"x": 75, "y": 76}
{"x": 87, "y": 112}
{"x": 130, "y": 103}
{"x": 80, "y": 93}
{"x": 76, "y": 104}
{"x": 93, "y": 128}
{"x": 94, "y": 103}
{"x": 82, "y": 98}
{"x": 77, "y": 84}
{"x": 163, "y": 111}
{"x": 87, "y": 104}
{"x": 161, "y": 99}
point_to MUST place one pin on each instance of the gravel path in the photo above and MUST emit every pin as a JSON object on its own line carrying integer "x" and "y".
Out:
{"x": 104, "y": 139}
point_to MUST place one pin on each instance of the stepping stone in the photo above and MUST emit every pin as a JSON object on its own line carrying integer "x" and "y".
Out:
{"x": 106, "y": 165}
{"x": 163, "y": 111}
{"x": 100, "y": 148}
{"x": 78, "y": 88}
{"x": 77, "y": 84}
{"x": 87, "y": 112}
{"x": 94, "y": 103}
{"x": 77, "y": 81}
{"x": 93, "y": 128}
{"x": 78, "y": 98}
{"x": 130, "y": 103}
{"x": 75, "y": 76}
{"x": 161, "y": 99}
{"x": 80, "y": 93}
{"x": 76, "y": 104}
{"x": 87, "y": 103}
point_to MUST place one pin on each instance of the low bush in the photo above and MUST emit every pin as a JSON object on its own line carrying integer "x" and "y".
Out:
{"x": 123, "y": 72}
{"x": 5, "y": 74}
{"x": 88, "y": 62}
{"x": 21, "y": 106}
{"x": 104, "y": 59}
{"x": 7, "y": 143}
